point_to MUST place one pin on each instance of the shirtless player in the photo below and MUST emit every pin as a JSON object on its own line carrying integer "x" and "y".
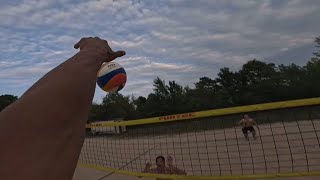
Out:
{"x": 247, "y": 124}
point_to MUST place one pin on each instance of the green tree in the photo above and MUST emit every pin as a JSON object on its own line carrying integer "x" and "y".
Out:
{"x": 160, "y": 89}
{"x": 118, "y": 106}
{"x": 156, "y": 104}
{"x": 6, "y": 100}
{"x": 98, "y": 112}
{"x": 258, "y": 80}
{"x": 317, "y": 41}
{"x": 204, "y": 94}
{"x": 230, "y": 86}
{"x": 312, "y": 86}
{"x": 139, "y": 105}
{"x": 165, "y": 99}
{"x": 175, "y": 97}
{"x": 292, "y": 82}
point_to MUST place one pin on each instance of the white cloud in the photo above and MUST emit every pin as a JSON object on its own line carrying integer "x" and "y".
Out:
{"x": 164, "y": 36}
{"x": 284, "y": 49}
{"x": 29, "y": 71}
{"x": 293, "y": 9}
{"x": 144, "y": 68}
{"x": 128, "y": 44}
{"x": 8, "y": 64}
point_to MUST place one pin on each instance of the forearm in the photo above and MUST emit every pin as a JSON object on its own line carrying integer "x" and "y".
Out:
{"x": 55, "y": 109}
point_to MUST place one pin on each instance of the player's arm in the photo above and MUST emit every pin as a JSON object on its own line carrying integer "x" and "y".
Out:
{"x": 147, "y": 169}
{"x": 241, "y": 122}
{"x": 173, "y": 169}
{"x": 254, "y": 122}
{"x": 43, "y": 131}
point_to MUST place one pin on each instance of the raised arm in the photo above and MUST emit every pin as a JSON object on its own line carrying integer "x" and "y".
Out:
{"x": 173, "y": 169}
{"x": 147, "y": 169}
{"x": 43, "y": 131}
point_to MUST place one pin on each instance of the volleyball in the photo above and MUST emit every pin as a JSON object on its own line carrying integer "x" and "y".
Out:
{"x": 111, "y": 77}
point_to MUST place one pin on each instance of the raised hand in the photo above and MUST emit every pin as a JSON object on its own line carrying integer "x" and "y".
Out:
{"x": 100, "y": 47}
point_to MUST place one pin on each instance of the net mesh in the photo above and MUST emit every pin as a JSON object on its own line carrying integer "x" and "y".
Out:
{"x": 287, "y": 141}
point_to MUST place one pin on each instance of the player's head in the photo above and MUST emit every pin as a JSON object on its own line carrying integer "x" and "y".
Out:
{"x": 246, "y": 116}
{"x": 160, "y": 161}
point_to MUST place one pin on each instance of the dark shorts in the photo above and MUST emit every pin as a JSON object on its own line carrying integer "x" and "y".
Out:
{"x": 246, "y": 129}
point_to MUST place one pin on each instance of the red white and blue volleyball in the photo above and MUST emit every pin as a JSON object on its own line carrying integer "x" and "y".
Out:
{"x": 111, "y": 77}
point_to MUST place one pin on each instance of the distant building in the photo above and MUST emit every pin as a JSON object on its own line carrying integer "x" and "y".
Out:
{"x": 97, "y": 127}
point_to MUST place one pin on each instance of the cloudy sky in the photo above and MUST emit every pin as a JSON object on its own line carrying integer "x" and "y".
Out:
{"x": 179, "y": 40}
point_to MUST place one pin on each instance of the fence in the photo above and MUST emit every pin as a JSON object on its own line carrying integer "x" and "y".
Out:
{"x": 211, "y": 144}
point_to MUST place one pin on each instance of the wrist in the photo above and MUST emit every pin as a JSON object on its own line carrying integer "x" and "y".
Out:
{"x": 90, "y": 57}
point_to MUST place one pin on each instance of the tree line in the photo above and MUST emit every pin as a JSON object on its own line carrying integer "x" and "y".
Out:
{"x": 256, "y": 82}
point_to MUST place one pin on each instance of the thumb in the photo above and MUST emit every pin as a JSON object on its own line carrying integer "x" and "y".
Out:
{"x": 119, "y": 53}
{"x": 80, "y": 43}
{"x": 114, "y": 55}
{"x": 76, "y": 46}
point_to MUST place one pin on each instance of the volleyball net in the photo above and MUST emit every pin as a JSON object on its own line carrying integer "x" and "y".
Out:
{"x": 211, "y": 144}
